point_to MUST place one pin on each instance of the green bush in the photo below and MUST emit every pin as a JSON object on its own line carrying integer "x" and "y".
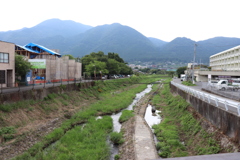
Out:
{"x": 116, "y": 138}
{"x": 116, "y": 157}
{"x": 188, "y": 83}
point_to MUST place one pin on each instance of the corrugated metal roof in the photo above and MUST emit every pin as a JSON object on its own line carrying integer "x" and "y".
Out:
{"x": 32, "y": 45}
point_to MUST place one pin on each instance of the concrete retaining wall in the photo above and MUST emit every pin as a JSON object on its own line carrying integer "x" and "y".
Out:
{"x": 38, "y": 94}
{"x": 227, "y": 122}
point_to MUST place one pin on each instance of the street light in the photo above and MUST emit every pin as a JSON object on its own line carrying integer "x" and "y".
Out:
{"x": 195, "y": 45}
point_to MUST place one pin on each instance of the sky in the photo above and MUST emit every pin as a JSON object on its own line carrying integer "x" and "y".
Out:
{"x": 162, "y": 19}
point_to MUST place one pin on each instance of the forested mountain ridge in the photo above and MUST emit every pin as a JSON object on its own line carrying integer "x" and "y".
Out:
{"x": 45, "y": 29}
{"x": 79, "y": 40}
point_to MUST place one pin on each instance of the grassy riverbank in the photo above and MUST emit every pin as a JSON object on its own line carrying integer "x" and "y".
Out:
{"x": 180, "y": 133}
{"x": 110, "y": 97}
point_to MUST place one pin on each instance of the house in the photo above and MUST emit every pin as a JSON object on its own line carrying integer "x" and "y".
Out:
{"x": 7, "y": 64}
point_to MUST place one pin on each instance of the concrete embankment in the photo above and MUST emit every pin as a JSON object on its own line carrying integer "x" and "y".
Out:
{"x": 143, "y": 138}
{"x": 143, "y": 141}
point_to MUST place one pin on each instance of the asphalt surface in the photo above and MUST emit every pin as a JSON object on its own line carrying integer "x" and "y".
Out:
{"x": 222, "y": 102}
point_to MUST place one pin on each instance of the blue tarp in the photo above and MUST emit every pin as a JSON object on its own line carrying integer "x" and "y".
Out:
{"x": 39, "y": 49}
{"x": 23, "y": 47}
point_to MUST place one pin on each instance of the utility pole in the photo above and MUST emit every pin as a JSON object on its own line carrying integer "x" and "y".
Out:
{"x": 195, "y": 46}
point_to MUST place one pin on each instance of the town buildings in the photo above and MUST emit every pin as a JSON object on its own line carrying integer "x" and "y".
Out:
{"x": 47, "y": 65}
{"x": 224, "y": 65}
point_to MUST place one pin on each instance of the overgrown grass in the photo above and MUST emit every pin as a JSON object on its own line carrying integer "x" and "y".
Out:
{"x": 179, "y": 132}
{"x": 17, "y": 105}
{"x": 126, "y": 115}
{"x": 82, "y": 142}
{"x": 109, "y": 103}
{"x": 117, "y": 137}
{"x": 7, "y": 132}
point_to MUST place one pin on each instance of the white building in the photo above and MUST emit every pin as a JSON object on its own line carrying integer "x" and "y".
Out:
{"x": 228, "y": 60}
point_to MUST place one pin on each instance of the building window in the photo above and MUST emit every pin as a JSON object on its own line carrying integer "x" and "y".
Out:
{"x": 2, "y": 76}
{"x": 4, "y": 58}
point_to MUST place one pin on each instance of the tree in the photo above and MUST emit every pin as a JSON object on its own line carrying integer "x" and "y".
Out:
{"x": 115, "y": 56}
{"x": 171, "y": 73}
{"x": 181, "y": 70}
{"x": 124, "y": 69}
{"x": 113, "y": 66}
{"x": 22, "y": 66}
{"x": 95, "y": 67}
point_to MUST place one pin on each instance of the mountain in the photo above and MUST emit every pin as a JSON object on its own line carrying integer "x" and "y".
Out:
{"x": 124, "y": 40}
{"x": 157, "y": 42}
{"x": 179, "y": 49}
{"x": 79, "y": 40}
{"x": 46, "y": 29}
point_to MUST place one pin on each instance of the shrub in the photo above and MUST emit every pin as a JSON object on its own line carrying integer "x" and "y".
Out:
{"x": 126, "y": 115}
{"x": 116, "y": 138}
{"x": 188, "y": 83}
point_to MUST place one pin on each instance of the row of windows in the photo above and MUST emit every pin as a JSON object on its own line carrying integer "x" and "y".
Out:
{"x": 4, "y": 57}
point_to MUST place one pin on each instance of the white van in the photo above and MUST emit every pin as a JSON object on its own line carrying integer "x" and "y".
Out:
{"x": 182, "y": 77}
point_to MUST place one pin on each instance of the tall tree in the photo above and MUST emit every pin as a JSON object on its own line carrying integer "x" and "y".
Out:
{"x": 115, "y": 56}
{"x": 113, "y": 66}
{"x": 181, "y": 70}
{"x": 22, "y": 66}
{"x": 96, "y": 68}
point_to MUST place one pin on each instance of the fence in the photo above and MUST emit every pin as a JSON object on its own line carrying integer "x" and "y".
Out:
{"x": 37, "y": 84}
{"x": 231, "y": 93}
{"x": 210, "y": 98}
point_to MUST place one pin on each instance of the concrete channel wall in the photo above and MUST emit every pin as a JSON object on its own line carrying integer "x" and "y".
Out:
{"x": 38, "y": 94}
{"x": 227, "y": 122}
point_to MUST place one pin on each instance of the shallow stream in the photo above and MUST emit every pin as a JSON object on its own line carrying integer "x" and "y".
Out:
{"x": 117, "y": 126}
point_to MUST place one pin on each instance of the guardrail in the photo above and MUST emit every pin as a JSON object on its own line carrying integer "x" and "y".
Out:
{"x": 208, "y": 97}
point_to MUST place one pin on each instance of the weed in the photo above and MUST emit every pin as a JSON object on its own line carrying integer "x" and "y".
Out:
{"x": 88, "y": 142}
{"x": 177, "y": 119}
{"x": 126, "y": 115}
{"x": 116, "y": 138}
{"x": 116, "y": 157}
{"x": 7, "y": 132}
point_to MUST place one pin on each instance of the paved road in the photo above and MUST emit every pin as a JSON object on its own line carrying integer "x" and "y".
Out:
{"x": 231, "y": 105}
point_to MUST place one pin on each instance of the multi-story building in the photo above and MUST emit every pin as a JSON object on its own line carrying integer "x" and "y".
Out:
{"x": 228, "y": 60}
{"x": 7, "y": 64}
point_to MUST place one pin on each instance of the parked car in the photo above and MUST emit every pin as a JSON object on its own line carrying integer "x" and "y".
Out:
{"x": 224, "y": 84}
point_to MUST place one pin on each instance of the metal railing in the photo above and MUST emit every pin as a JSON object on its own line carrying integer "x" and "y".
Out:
{"x": 38, "y": 84}
{"x": 210, "y": 98}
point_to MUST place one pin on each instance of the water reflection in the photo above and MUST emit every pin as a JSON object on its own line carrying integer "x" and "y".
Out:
{"x": 117, "y": 126}
{"x": 152, "y": 117}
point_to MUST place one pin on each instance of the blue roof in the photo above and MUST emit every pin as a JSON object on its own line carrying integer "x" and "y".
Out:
{"x": 32, "y": 47}
{"x": 23, "y": 47}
